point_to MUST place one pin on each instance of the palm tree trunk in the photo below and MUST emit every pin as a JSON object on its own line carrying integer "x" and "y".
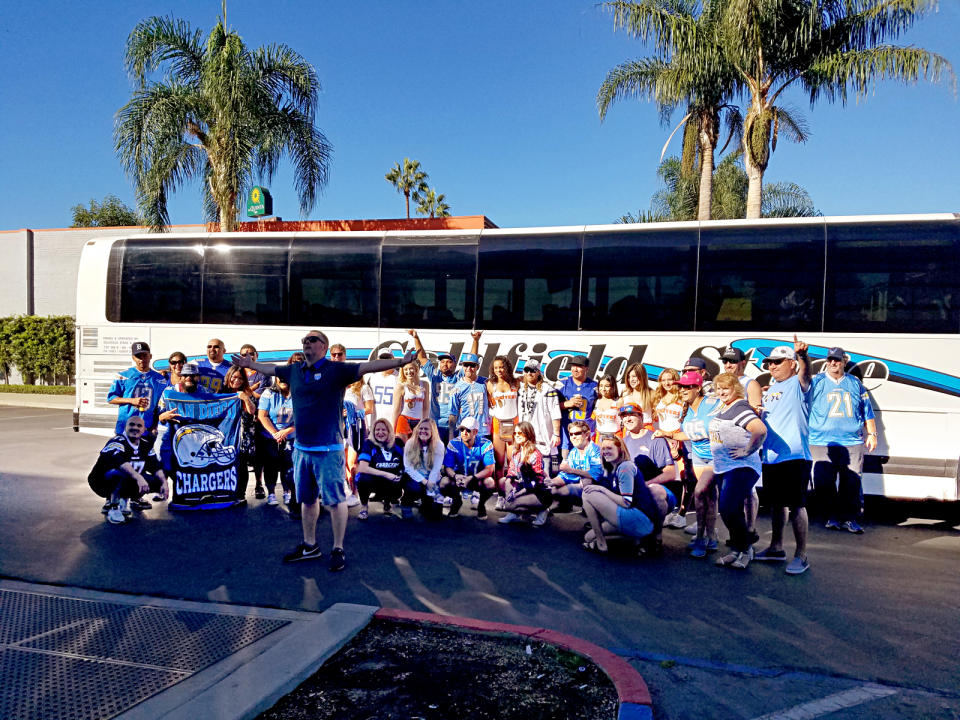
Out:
{"x": 706, "y": 177}
{"x": 407, "y": 196}
{"x": 754, "y": 187}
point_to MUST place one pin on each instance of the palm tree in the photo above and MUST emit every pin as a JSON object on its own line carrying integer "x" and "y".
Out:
{"x": 828, "y": 48}
{"x": 222, "y": 113}
{"x": 689, "y": 70}
{"x": 408, "y": 179}
{"x": 433, "y": 205}
{"x": 677, "y": 200}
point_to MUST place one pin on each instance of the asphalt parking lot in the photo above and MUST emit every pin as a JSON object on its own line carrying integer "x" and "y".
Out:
{"x": 870, "y": 631}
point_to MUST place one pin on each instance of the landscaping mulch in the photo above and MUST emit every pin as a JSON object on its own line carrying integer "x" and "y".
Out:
{"x": 397, "y": 670}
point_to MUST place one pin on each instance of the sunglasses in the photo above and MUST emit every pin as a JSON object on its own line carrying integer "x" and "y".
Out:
{"x": 248, "y": 354}
{"x": 310, "y": 339}
{"x": 177, "y": 362}
{"x": 575, "y": 433}
{"x": 211, "y": 347}
{"x": 338, "y": 354}
{"x": 464, "y": 430}
{"x": 470, "y": 365}
{"x": 775, "y": 362}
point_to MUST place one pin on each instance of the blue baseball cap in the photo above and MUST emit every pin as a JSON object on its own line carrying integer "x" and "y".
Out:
{"x": 469, "y": 359}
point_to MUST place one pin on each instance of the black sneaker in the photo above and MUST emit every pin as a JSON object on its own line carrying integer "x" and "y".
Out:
{"x": 259, "y": 493}
{"x": 337, "y": 560}
{"x": 303, "y": 552}
{"x": 140, "y": 504}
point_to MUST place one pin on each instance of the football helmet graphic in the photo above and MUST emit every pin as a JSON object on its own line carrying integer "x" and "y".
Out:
{"x": 197, "y": 446}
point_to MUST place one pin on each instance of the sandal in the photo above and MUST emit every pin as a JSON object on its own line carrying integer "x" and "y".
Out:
{"x": 728, "y": 559}
{"x": 592, "y": 546}
{"x": 363, "y": 514}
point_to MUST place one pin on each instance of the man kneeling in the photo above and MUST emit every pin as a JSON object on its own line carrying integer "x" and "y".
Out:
{"x": 126, "y": 469}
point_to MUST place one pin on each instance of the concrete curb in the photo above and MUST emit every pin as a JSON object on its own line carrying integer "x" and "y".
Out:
{"x": 632, "y": 691}
{"x": 52, "y": 402}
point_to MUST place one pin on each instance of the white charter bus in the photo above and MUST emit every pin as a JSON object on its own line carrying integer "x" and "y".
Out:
{"x": 884, "y": 288}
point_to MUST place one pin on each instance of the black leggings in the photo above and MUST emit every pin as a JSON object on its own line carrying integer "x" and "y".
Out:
{"x": 387, "y": 490}
{"x": 277, "y": 460}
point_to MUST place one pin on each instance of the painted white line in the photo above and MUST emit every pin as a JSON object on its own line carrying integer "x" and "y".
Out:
{"x": 831, "y": 703}
{"x": 22, "y": 417}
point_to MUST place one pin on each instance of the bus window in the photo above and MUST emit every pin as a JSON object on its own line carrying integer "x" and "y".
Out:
{"x": 761, "y": 278}
{"x": 426, "y": 284}
{"x": 893, "y": 277}
{"x": 532, "y": 281}
{"x": 639, "y": 280}
{"x": 159, "y": 281}
{"x": 334, "y": 282}
{"x": 245, "y": 282}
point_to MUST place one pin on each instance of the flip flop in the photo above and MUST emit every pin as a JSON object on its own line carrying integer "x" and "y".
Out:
{"x": 591, "y": 546}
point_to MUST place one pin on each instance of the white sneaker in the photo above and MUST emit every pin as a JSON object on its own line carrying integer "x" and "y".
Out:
{"x": 475, "y": 499}
{"x": 272, "y": 499}
{"x": 691, "y": 528}
{"x": 541, "y": 519}
{"x": 114, "y": 515}
{"x": 124, "y": 504}
{"x": 500, "y": 503}
{"x": 679, "y": 521}
{"x": 509, "y": 518}
{"x": 286, "y": 498}
{"x": 352, "y": 500}
{"x": 447, "y": 501}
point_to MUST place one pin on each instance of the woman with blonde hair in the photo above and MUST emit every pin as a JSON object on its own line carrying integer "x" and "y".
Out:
{"x": 409, "y": 400}
{"x": 620, "y": 501}
{"x": 636, "y": 391}
{"x": 526, "y": 490}
{"x": 422, "y": 464}
{"x": 380, "y": 467}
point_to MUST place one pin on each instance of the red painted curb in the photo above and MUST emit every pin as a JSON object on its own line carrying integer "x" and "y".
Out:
{"x": 630, "y": 685}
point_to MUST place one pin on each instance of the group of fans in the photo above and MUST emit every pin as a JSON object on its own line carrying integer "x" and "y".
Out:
{"x": 432, "y": 435}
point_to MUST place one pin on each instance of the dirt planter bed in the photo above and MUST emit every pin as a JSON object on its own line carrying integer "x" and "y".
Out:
{"x": 417, "y": 665}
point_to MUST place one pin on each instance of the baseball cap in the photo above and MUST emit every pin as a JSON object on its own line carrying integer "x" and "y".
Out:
{"x": 698, "y": 363}
{"x": 580, "y": 360}
{"x": 468, "y": 423}
{"x": 732, "y": 354}
{"x": 385, "y": 355}
{"x": 139, "y": 347}
{"x": 189, "y": 369}
{"x": 469, "y": 358}
{"x": 630, "y": 410}
{"x": 691, "y": 377}
{"x": 532, "y": 366}
{"x": 781, "y": 352}
{"x": 836, "y": 353}
{"x": 444, "y": 356}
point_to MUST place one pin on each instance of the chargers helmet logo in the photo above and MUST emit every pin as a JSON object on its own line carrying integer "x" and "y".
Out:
{"x": 197, "y": 446}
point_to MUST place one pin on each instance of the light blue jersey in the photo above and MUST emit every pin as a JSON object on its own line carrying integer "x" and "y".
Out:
{"x": 441, "y": 390}
{"x": 468, "y": 460}
{"x": 588, "y": 460}
{"x": 470, "y": 400}
{"x": 838, "y": 409}
{"x": 696, "y": 426}
{"x": 132, "y": 383}
{"x": 786, "y": 408}
{"x": 278, "y": 408}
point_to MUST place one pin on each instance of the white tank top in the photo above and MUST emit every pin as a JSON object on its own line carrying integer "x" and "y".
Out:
{"x": 668, "y": 416}
{"x": 412, "y": 402}
{"x": 504, "y": 404}
{"x": 608, "y": 420}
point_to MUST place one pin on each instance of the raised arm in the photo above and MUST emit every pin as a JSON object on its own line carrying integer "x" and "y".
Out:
{"x": 244, "y": 361}
{"x": 803, "y": 362}
{"x": 421, "y": 353}
{"x": 475, "y": 347}
{"x": 388, "y": 364}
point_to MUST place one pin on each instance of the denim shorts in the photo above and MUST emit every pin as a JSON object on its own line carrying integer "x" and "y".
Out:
{"x": 319, "y": 474}
{"x": 633, "y": 522}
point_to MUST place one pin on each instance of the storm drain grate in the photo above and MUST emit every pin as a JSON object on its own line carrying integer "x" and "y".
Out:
{"x": 188, "y": 641}
{"x": 24, "y": 615}
{"x": 72, "y": 658}
{"x": 38, "y": 686}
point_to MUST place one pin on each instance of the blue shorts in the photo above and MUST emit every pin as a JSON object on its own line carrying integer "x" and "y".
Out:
{"x": 319, "y": 474}
{"x": 633, "y": 522}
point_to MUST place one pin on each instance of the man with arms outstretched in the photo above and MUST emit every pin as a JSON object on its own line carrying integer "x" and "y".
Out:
{"x": 317, "y": 386}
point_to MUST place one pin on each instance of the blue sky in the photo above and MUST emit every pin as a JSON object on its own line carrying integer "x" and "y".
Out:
{"x": 496, "y": 100}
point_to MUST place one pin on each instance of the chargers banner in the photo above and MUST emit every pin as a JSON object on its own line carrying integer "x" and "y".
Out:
{"x": 202, "y": 449}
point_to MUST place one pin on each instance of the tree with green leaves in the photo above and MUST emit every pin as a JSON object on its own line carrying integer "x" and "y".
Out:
{"x": 827, "y": 48}
{"x": 221, "y": 113}
{"x": 409, "y": 180}
{"x": 689, "y": 70}
{"x": 678, "y": 198}
{"x": 112, "y": 212}
{"x": 433, "y": 204}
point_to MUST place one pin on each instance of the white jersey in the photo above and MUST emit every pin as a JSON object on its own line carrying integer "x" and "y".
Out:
{"x": 540, "y": 408}
{"x": 383, "y": 388}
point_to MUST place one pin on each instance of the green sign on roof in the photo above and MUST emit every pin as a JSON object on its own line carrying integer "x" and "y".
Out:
{"x": 259, "y": 202}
